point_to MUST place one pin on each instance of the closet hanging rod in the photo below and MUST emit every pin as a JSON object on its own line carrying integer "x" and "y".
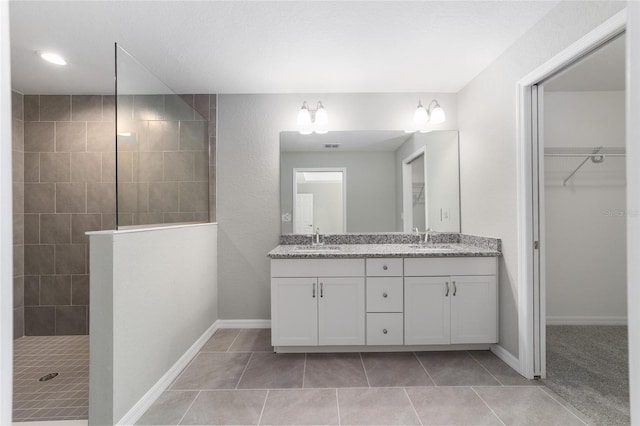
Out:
{"x": 584, "y": 152}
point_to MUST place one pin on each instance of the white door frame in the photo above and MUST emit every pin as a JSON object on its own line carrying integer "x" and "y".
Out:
{"x": 342, "y": 170}
{"x": 407, "y": 192}
{"x": 527, "y": 315}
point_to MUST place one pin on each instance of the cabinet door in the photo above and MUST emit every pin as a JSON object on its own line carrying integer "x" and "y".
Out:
{"x": 474, "y": 314}
{"x": 426, "y": 310}
{"x": 294, "y": 312}
{"x": 341, "y": 314}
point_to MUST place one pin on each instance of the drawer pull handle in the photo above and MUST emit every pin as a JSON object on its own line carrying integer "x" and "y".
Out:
{"x": 446, "y": 294}
{"x": 384, "y": 331}
{"x": 385, "y": 267}
{"x": 385, "y": 295}
{"x": 321, "y": 290}
{"x": 313, "y": 292}
{"x": 455, "y": 289}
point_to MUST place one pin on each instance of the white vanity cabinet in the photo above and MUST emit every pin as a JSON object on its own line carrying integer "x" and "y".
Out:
{"x": 450, "y": 301}
{"x": 317, "y": 302}
{"x": 384, "y": 302}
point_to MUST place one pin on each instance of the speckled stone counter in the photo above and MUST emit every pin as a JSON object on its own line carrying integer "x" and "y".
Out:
{"x": 385, "y": 245}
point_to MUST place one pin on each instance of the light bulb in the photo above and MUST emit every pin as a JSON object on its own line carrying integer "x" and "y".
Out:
{"x": 304, "y": 120}
{"x": 54, "y": 58}
{"x": 437, "y": 115}
{"x": 321, "y": 120}
{"x": 421, "y": 116}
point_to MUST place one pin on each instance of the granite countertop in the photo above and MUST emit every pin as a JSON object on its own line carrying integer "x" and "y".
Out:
{"x": 333, "y": 251}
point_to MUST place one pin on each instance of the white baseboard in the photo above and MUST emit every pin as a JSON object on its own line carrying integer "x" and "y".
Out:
{"x": 236, "y": 323}
{"x": 140, "y": 407}
{"x": 507, "y": 357}
{"x": 586, "y": 320}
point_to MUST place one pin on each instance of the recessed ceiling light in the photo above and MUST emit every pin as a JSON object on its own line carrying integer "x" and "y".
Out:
{"x": 54, "y": 58}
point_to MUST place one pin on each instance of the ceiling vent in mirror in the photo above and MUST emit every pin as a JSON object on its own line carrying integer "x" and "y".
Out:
{"x": 332, "y": 145}
{"x": 313, "y": 120}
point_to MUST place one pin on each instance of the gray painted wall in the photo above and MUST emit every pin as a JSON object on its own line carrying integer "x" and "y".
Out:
{"x": 248, "y": 175}
{"x": 487, "y": 140}
{"x": 370, "y": 186}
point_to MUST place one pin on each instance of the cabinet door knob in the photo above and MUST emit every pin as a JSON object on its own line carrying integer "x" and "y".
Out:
{"x": 385, "y": 267}
{"x": 385, "y": 295}
{"x": 384, "y": 331}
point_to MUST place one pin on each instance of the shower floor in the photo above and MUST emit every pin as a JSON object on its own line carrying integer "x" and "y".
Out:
{"x": 66, "y": 396}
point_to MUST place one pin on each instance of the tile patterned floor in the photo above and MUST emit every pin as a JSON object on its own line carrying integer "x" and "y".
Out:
{"x": 237, "y": 379}
{"x": 63, "y": 398}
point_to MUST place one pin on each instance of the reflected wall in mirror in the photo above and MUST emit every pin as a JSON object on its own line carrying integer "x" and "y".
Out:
{"x": 372, "y": 196}
{"x": 319, "y": 200}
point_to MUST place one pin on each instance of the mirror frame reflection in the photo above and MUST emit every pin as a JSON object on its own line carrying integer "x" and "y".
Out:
{"x": 377, "y": 163}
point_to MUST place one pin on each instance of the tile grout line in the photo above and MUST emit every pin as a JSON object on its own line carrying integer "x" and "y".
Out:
{"x": 412, "y": 406}
{"x": 485, "y": 368}
{"x": 234, "y": 340}
{"x": 264, "y": 404}
{"x": 243, "y": 371}
{"x": 425, "y": 369}
{"x": 562, "y": 405}
{"x": 188, "y": 408}
{"x": 365, "y": 369}
{"x": 304, "y": 369}
{"x": 338, "y": 406}
{"x": 488, "y": 406}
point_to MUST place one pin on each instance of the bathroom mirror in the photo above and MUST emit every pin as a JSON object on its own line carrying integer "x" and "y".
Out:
{"x": 390, "y": 181}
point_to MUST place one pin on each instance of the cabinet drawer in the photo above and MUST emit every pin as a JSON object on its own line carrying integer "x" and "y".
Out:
{"x": 384, "y": 294}
{"x": 317, "y": 268}
{"x": 421, "y": 267}
{"x": 385, "y": 329}
{"x": 384, "y": 267}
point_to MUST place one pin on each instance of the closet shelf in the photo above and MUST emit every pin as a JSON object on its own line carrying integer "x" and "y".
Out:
{"x": 596, "y": 155}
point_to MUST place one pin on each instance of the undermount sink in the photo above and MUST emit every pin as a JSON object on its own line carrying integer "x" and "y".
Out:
{"x": 317, "y": 248}
{"x": 431, "y": 247}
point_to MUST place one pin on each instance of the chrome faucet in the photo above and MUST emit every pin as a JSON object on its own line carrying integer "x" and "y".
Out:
{"x": 317, "y": 242}
{"x": 427, "y": 236}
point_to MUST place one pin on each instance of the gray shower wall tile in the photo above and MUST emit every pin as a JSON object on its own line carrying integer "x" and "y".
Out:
{"x": 18, "y": 291}
{"x": 17, "y": 169}
{"x": 55, "y": 167}
{"x": 194, "y": 196}
{"x": 71, "y": 137}
{"x": 193, "y": 136}
{"x": 39, "y": 197}
{"x": 148, "y": 107}
{"x": 18, "y": 322}
{"x": 55, "y": 228}
{"x": 55, "y": 107}
{"x": 86, "y": 108}
{"x": 31, "y": 167}
{"x": 164, "y": 136}
{"x": 164, "y": 197}
{"x": 39, "y": 136}
{"x": 31, "y": 108}
{"x": 18, "y": 229}
{"x": 178, "y": 166}
{"x": 101, "y": 137}
{"x": 109, "y": 108}
{"x": 39, "y": 320}
{"x": 17, "y": 109}
{"x": 86, "y": 167}
{"x": 71, "y": 320}
{"x": 31, "y": 228}
{"x": 133, "y": 197}
{"x": 147, "y": 166}
{"x": 38, "y": 259}
{"x": 70, "y": 259}
{"x": 82, "y": 223}
{"x": 80, "y": 290}
{"x": 178, "y": 107}
{"x": 32, "y": 290}
{"x": 17, "y": 135}
{"x": 201, "y": 104}
{"x": 18, "y": 197}
{"x": 101, "y": 198}
{"x": 71, "y": 197}
{"x": 55, "y": 290}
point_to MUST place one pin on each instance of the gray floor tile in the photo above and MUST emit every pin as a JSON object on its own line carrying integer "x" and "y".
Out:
{"x": 253, "y": 339}
{"x": 301, "y": 407}
{"x": 395, "y": 369}
{"x": 456, "y": 368}
{"x": 505, "y": 374}
{"x": 451, "y": 406}
{"x": 526, "y": 406}
{"x": 582, "y": 416}
{"x": 226, "y": 408}
{"x": 168, "y": 409}
{"x": 212, "y": 371}
{"x": 221, "y": 341}
{"x": 339, "y": 370}
{"x": 267, "y": 370}
{"x": 382, "y": 406}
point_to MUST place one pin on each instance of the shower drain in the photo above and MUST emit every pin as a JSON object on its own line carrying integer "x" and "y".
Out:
{"x": 47, "y": 377}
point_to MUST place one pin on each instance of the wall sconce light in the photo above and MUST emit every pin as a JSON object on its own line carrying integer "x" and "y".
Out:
{"x": 313, "y": 120}
{"x": 423, "y": 115}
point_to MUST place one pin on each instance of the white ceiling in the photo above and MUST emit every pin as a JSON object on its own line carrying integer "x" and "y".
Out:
{"x": 601, "y": 70}
{"x": 267, "y": 47}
